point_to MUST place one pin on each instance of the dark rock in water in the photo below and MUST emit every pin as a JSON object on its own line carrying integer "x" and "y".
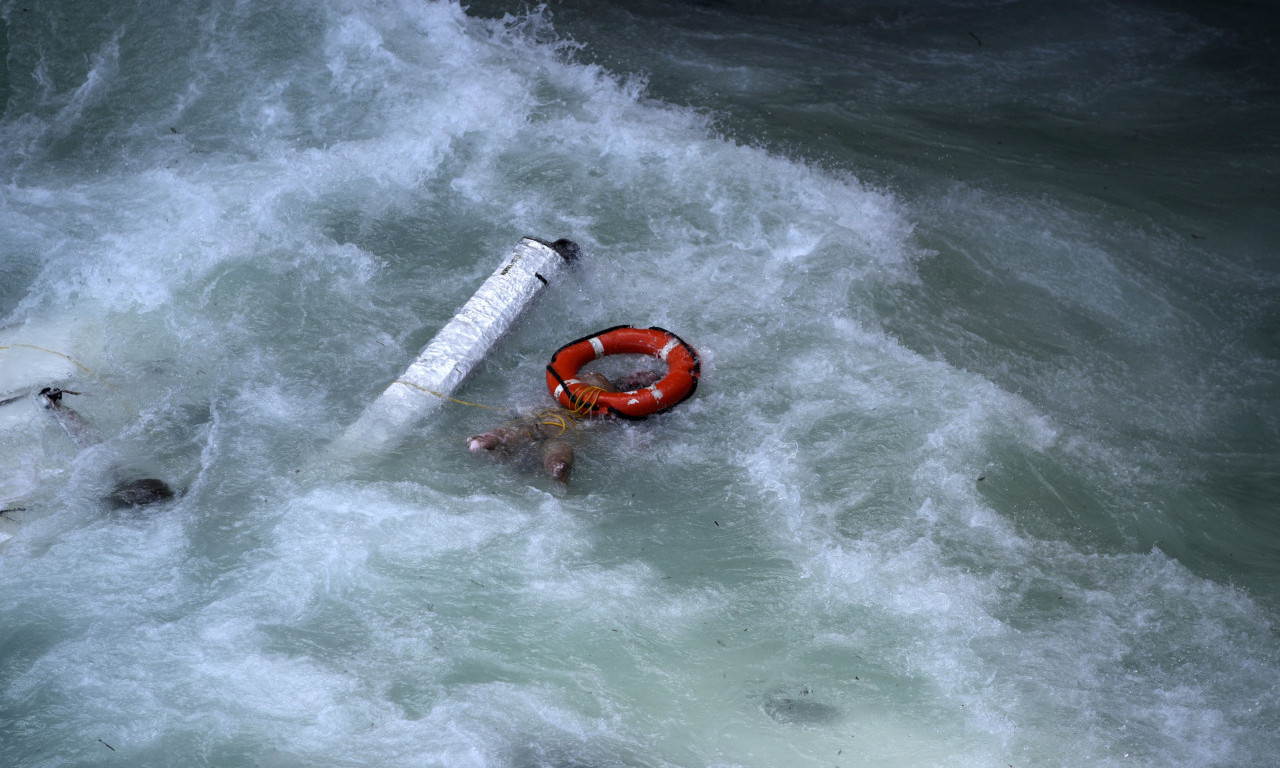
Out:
{"x": 536, "y": 758}
{"x": 136, "y": 493}
{"x": 798, "y": 708}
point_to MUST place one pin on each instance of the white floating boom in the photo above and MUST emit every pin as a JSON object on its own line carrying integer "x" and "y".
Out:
{"x": 461, "y": 344}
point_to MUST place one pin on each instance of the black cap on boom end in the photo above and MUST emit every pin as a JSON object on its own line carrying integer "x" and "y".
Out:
{"x": 568, "y": 249}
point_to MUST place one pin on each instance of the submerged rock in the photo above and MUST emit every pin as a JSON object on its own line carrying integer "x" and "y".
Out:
{"x": 799, "y": 708}
{"x": 137, "y": 493}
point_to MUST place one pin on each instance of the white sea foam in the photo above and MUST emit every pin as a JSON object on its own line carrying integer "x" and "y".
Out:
{"x": 869, "y": 537}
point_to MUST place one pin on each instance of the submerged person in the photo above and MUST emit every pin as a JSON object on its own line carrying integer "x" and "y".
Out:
{"x": 549, "y": 434}
{"x": 127, "y": 493}
{"x": 80, "y": 432}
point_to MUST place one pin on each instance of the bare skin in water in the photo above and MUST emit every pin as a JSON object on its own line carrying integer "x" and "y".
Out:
{"x": 549, "y": 434}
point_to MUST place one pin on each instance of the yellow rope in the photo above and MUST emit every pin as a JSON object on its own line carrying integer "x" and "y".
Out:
{"x": 443, "y": 395}
{"x": 556, "y": 420}
{"x": 73, "y": 361}
{"x": 548, "y": 419}
{"x": 585, "y": 400}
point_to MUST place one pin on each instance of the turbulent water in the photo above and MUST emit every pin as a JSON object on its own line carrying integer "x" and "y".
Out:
{"x": 982, "y": 470}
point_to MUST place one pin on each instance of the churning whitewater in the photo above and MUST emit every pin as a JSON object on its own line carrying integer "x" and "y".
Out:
{"x": 978, "y": 470}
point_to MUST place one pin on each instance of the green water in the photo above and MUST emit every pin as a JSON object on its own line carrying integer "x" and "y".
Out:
{"x": 979, "y": 471}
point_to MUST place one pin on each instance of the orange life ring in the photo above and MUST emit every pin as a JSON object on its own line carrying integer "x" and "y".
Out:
{"x": 683, "y": 370}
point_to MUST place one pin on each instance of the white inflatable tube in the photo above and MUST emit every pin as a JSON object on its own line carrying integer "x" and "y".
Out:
{"x": 464, "y": 341}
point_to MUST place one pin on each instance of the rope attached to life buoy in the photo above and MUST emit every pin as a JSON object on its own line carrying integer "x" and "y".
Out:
{"x": 683, "y": 371}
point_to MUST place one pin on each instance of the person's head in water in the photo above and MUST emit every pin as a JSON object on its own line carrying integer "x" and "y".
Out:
{"x": 52, "y": 396}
